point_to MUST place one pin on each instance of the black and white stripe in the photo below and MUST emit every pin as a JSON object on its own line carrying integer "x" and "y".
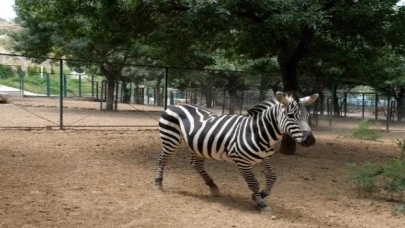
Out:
{"x": 246, "y": 140}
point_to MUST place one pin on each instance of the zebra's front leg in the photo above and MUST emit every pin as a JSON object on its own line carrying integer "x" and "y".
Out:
{"x": 198, "y": 165}
{"x": 247, "y": 172}
{"x": 270, "y": 177}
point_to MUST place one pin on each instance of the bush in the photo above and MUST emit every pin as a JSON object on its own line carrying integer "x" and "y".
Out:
{"x": 365, "y": 131}
{"x": 364, "y": 176}
{"x": 6, "y": 71}
{"x": 398, "y": 208}
{"x": 394, "y": 171}
{"x": 33, "y": 70}
{"x": 401, "y": 145}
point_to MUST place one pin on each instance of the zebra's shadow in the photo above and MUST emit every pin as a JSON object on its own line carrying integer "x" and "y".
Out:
{"x": 227, "y": 200}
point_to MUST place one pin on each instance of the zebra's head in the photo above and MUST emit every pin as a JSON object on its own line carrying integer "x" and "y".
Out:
{"x": 293, "y": 118}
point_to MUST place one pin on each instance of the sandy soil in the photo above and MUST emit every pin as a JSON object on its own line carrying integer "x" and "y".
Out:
{"x": 84, "y": 178}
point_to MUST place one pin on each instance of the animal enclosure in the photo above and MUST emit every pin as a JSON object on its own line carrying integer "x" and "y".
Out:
{"x": 84, "y": 178}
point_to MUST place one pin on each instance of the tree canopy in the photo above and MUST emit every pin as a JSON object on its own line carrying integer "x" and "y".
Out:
{"x": 309, "y": 42}
{"x": 341, "y": 35}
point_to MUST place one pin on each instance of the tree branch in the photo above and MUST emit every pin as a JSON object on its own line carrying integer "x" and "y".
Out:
{"x": 303, "y": 46}
{"x": 177, "y": 6}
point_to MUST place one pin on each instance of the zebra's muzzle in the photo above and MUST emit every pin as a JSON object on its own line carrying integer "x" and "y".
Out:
{"x": 308, "y": 139}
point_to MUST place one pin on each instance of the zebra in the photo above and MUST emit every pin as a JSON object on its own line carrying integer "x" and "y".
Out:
{"x": 246, "y": 140}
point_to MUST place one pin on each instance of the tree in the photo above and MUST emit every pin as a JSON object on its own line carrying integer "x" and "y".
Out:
{"x": 337, "y": 36}
{"x": 292, "y": 31}
{"x": 103, "y": 31}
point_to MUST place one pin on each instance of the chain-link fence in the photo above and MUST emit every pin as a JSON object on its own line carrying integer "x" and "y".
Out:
{"x": 345, "y": 110}
{"x": 75, "y": 94}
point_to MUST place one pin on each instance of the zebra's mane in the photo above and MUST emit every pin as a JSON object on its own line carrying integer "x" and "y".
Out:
{"x": 262, "y": 106}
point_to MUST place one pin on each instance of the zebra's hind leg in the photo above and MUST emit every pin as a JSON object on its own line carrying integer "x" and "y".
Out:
{"x": 247, "y": 172}
{"x": 198, "y": 165}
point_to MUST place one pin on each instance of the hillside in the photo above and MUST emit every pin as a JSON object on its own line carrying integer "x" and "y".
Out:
{"x": 7, "y": 26}
{"x": 5, "y": 29}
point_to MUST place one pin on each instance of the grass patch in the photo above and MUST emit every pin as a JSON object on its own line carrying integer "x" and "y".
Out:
{"x": 36, "y": 84}
{"x": 391, "y": 174}
{"x": 364, "y": 175}
{"x": 398, "y": 209}
{"x": 366, "y": 131}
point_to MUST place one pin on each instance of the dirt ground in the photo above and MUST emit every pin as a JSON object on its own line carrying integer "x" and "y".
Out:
{"x": 96, "y": 178}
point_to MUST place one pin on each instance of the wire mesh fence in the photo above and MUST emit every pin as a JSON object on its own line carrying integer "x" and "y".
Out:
{"x": 53, "y": 93}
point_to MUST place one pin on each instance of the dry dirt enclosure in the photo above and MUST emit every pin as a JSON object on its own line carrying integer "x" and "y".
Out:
{"x": 105, "y": 179}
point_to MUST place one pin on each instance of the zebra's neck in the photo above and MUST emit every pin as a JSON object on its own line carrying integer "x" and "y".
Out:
{"x": 259, "y": 132}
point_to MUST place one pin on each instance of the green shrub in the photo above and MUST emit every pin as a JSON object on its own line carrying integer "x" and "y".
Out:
{"x": 366, "y": 131}
{"x": 401, "y": 145}
{"x": 33, "y": 70}
{"x": 398, "y": 208}
{"x": 6, "y": 71}
{"x": 364, "y": 176}
{"x": 394, "y": 171}
{"x": 332, "y": 194}
{"x": 392, "y": 175}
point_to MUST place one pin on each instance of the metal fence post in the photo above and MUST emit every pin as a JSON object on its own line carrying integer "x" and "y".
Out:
{"x": 92, "y": 86}
{"x": 80, "y": 85}
{"x": 362, "y": 106}
{"x": 316, "y": 110}
{"x": 171, "y": 98}
{"x": 332, "y": 106}
{"x": 61, "y": 85}
{"x": 96, "y": 91}
{"x": 48, "y": 86}
{"x": 117, "y": 85}
{"x": 387, "y": 124}
{"x": 21, "y": 76}
{"x": 147, "y": 95}
{"x": 376, "y": 106}
{"x": 65, "y": 84}
{"x": 345, "y": 104}
{"x": 102, "y": 92}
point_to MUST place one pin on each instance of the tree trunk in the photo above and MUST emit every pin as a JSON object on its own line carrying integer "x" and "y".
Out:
{"x": 322, "y": 102}
{"x": 208, "y": 91}
{"x": 110, "y": 94}
{"x": 233, "y": 101}
{"x": 336, "y": 107}
{"x": 289, "y": 76}
{"x": 400, "y": 109}
{"x": 127, "y": 93}
{"x": 399, "y": 97}
{"x": 275, "y": 87}
{"x": 112, "y": 74}
{"x": 158, "y": 94}
{"x": 288, "y": 145}
{"x": 288, "y": 59}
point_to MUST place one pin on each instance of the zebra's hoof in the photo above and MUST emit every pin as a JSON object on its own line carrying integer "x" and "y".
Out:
{"x": 267, "y": 210}
{"x": 158, "y": 188}
{"x": 214, "y": 191}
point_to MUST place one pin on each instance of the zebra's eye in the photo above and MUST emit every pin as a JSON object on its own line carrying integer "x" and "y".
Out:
{"x": 290, "y": 115}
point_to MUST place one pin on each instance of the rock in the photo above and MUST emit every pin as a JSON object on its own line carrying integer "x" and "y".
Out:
{"x": 3, "y": 100}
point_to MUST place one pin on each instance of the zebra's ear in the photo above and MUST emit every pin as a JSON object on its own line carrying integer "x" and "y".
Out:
{"x": 280, "y": 97}
{"x": 309, "y": 99}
